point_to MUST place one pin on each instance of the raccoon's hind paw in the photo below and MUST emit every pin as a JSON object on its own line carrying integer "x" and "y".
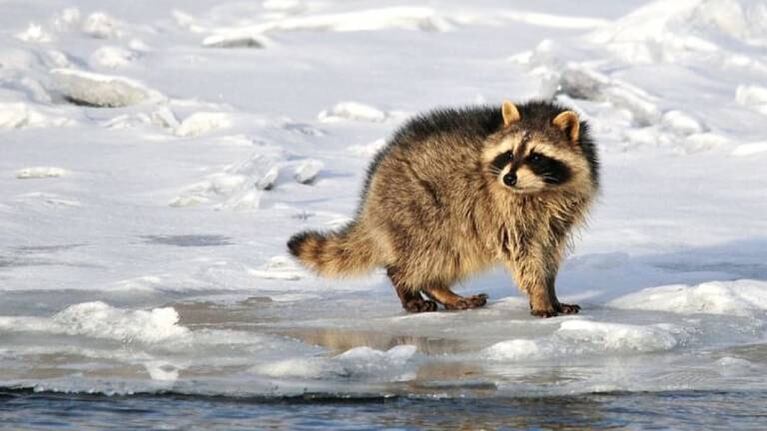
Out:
{"x": 420, "y": 306}
{"x": 468, "y": 302}
{"x": 569, "y": 308}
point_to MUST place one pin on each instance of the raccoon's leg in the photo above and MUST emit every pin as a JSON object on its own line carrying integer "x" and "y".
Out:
{"x": 453, "y": 301}
{"x": 558, "y": 306}
{"x": 411, "y": 299}
{"x": 535, "y": 273}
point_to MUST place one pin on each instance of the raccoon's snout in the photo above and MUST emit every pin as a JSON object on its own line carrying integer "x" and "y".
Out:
{"x": 510, "y": 179}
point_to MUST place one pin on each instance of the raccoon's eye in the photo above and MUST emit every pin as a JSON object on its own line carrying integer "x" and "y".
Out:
{"x": 502, "y": 160}
{"x": 535, "y": 158}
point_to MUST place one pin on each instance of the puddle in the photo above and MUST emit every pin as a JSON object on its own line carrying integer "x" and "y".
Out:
{"x": 188, "y": 240}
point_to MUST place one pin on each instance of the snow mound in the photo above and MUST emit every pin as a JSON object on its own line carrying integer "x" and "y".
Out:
{"x": 109, "y": 91}
{"x": 203, "y": 122}
{"x": 400, "y": 17}
{"x": 738, "y": 298}
{"x": 352, "y": 111}
{"x": 664, "y": 32}
{"x": 40, "y": 172}
{"x": 21, "y": 115}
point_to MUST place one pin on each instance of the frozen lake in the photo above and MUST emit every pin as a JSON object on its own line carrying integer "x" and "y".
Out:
{"x": 155, "y": 158}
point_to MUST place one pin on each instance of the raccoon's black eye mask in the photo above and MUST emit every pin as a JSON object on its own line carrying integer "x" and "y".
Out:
{"x": 551, "y": 170}
{"x": 501, "y": 160}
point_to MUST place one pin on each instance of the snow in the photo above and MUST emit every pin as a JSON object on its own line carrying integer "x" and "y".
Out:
{"x": 155, "y": 160}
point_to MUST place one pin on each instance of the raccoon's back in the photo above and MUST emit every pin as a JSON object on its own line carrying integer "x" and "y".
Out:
{"x": 464, "y": 129}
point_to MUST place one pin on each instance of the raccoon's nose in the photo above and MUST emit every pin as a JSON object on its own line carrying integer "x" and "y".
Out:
{"x": 510, "y": 179}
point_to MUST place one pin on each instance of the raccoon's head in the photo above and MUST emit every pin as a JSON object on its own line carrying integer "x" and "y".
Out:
{"x": 542, "y": 147}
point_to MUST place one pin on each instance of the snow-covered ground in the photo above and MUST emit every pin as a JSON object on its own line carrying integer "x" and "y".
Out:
{"x": 156, "y": 156}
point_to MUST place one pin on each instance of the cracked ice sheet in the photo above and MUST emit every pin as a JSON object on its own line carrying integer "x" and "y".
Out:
{"x": 108, "y": 286}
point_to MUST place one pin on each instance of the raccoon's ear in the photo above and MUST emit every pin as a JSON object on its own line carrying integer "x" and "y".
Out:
{"x": 510, "y": 113}
{"x": 569, "y": 123}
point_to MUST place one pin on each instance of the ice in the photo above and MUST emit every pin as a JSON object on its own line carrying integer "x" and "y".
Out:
{"x": 91, "y": 89}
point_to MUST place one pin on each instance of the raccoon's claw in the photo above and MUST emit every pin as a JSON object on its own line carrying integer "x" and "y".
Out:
{"x": 468, "y": 302}
{"x": 420, "y": 306}
{"x": 544, "y": 313}
{"x": 569, "y": 308}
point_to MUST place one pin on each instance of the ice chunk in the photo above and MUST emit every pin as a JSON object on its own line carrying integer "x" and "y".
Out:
{"x": 40, "y": 172}
{"x": 739, "y": 298}
{"x": 203, "y": 122}
{"x": 92, "y": 89}
{"x": 752, "y": 96}
{"x": 352, "y": 111}
{"x": 236, "y": 40}
{"x": 102, "y": 26}
{"x": 112, "y": 57}
{"x": 368, "y": 150}
{"x": 160, "y": 370}
{"x": 21, "y": 115}
{"x": 97, "y": 319}
{"x": 616, "y": 337}
{"x": 749, "y": 149}
{"x": 681, "y": 123}
{"x": 517, "y": 350}
{"x": 66, "y": 19}
{"x": 35, "y": 33}
{"x": 307, "y": 171}
{"x": 279, "y": 268}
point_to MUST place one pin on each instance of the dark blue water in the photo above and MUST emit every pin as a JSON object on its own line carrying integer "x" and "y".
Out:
{"x": 706, "y": 410}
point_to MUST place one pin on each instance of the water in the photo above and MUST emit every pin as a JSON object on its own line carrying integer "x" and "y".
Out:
{"x": 679, "y": 410}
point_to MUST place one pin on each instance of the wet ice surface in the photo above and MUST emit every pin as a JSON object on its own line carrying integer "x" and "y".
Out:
{"x": 155, "y": 161}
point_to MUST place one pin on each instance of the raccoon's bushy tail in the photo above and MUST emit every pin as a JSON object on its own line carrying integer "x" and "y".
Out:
{"x": 335, "y": 254}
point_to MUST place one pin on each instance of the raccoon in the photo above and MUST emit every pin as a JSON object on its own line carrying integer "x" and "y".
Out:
{"x": 457, "y": 191}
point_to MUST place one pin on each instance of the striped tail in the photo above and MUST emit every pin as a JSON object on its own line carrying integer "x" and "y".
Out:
{"x": 335, "y": 254}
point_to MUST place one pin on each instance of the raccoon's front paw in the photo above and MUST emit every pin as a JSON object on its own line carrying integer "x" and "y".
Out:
{"x": 569, "y": 308}
{"x": 545, "y": 313}
{"x": 420, "y": 306}
{"x": 468, "y": 302}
